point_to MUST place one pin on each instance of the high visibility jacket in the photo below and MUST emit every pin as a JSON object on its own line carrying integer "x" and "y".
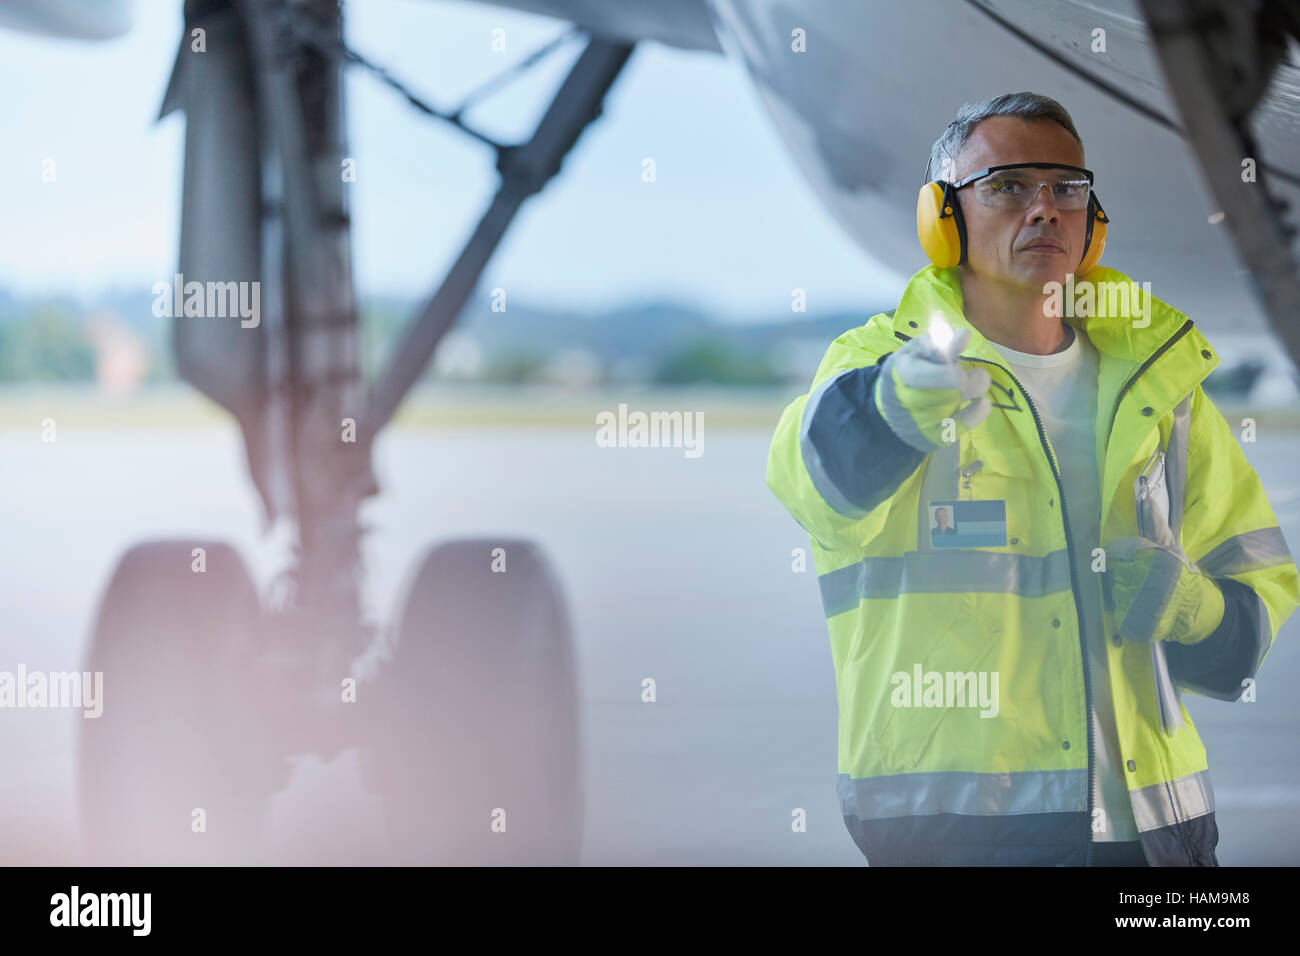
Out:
{"x": 943, "y": 785}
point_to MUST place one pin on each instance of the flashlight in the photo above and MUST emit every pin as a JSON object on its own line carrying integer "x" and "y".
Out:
{"x": 941, "y": 335}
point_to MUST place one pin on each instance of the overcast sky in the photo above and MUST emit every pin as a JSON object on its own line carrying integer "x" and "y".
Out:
{"x": 730, "y": 225}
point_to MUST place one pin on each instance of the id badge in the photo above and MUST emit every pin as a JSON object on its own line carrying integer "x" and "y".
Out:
{"x": 968, "y": 524}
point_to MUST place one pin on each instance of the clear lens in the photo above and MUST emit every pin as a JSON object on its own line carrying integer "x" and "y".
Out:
{"x": 1016, "y": 188}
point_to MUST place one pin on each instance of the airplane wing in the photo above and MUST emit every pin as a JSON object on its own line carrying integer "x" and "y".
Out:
{"x": 860, "y": 109}
{"x": 72, "y": 19}
{"x": 679, "y": 23}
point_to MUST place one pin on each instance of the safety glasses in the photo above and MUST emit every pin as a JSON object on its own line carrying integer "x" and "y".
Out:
{"x": 1016, "y": 185}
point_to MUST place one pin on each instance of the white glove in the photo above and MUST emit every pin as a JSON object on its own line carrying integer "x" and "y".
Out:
{"x": 920, "y": 386}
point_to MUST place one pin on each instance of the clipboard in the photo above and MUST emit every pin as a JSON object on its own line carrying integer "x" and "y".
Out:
{"x": 1151, "y": 487}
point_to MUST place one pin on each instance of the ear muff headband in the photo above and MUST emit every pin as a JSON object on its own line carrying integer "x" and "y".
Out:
{"x": 942, "y": 230}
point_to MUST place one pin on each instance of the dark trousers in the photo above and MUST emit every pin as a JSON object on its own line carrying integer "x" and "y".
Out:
{"x": 1124, "y": 853}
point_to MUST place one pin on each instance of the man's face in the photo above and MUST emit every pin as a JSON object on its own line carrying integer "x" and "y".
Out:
{"x": 996, "y": 238}
{"x": 941, "y": 516}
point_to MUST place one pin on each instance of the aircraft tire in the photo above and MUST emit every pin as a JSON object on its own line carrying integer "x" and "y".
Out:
{"x": 477, "y": 753}
{"x": 177, "y": 733}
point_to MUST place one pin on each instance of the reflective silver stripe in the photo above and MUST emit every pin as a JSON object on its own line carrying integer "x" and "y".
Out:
{"x": 1153, "y": 597}
{"x": 958, "y": 571}
{"x": 1250, "y": 551}
{"x": 1164, "y": 804}
{"x": 922, "y": 794}
{"x": 813, "y": 462}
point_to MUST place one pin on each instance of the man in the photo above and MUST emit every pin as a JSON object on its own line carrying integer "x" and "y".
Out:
{"x": 1088, "y": 575}
{"x": 941, "y": 526}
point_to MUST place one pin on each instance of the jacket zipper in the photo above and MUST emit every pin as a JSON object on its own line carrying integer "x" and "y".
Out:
{"x": 1074, "y": 587}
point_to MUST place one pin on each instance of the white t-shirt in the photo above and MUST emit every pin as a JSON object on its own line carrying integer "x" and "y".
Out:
{"x": 1063, "y": 386}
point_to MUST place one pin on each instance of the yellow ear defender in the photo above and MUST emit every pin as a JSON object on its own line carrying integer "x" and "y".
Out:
{"x": 942, "y": 230}
{"x": 939, "y": 224}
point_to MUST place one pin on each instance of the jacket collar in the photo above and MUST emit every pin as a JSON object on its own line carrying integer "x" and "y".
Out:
{"x": 934, "y": 291}
{"x": 1151, "y": 366}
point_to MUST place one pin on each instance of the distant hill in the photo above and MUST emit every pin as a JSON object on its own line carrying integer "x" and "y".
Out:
{"x": 649, "y": 341}
{"x": 639, "y": 339}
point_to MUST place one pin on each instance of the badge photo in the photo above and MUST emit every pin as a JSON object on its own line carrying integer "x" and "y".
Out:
{"x": 968, "y": 524}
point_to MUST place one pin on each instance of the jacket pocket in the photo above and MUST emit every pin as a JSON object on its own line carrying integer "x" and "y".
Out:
{"x": 988, "y": 465}
{"x": 994, "y": 472}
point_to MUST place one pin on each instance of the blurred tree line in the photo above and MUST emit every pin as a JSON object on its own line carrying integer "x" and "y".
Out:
{"x": 55, "y": 340}
{"x": 45, "y": 345}
{"x": 707, "y": 361}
